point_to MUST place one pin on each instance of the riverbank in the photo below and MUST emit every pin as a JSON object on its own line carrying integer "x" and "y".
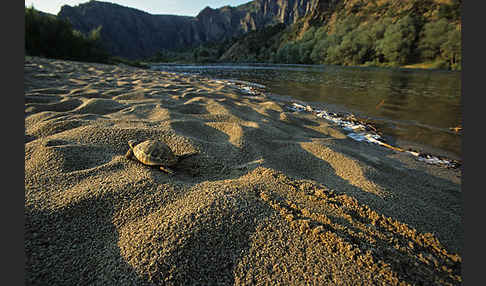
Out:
{"x": 414, "y": 109}
{"x": 273, "y": 196}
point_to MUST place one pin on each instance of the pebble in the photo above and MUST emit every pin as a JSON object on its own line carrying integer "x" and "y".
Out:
{"x": 368, "y": 134}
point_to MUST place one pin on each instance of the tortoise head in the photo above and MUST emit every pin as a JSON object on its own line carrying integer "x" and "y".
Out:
{"x": 132, "y": 143}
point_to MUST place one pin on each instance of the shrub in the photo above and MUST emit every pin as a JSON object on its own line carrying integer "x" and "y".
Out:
{"x": 434, "y": 35}
{"x": 398, "y": 40}
{"x": 451, "y": 49}
{"x": 48, "y": 36}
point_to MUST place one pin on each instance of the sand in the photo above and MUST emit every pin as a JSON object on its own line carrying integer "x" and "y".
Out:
{"x": 272, "y": 197}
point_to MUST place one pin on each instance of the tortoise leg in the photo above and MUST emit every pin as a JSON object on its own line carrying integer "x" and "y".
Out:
{"x": 185, "y": 156}
{"x": 129, "y": 154}
{"x": 167, "y": 170}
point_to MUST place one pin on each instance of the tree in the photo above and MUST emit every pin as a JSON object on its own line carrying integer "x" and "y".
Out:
{"x": 201, "y": 54}
{"x": 451, "y": 11}
{"x": 333, "y": 53}
{"x": 347, "y": 25}
{"x": 434, "y": 35}
{"x": 398, "y": 41}
{"x": 451, "y": 49}
{"x": 49, "y": 36}
{"x": 377, "y": 33}
{"x": 305, "y": 51}
{"x": 289, "y": 53}
{"x": 357, "y": 47}
{"x": 309, "y": 35}
{"x": 319, "y": 51}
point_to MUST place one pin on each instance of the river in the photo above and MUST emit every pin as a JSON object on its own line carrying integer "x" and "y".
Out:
{"x": 413, "y": 108}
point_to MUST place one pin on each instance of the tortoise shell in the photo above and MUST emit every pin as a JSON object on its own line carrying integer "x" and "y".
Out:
{"x": 152, "y": 153}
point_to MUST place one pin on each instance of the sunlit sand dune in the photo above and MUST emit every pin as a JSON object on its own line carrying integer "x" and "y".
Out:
{"x": 272, "y": 197}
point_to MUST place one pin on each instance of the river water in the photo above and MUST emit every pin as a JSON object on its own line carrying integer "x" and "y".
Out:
{"x": 413, "y": 108}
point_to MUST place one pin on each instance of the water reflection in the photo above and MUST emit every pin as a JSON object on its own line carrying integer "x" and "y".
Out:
{"x": 410, "y": 105}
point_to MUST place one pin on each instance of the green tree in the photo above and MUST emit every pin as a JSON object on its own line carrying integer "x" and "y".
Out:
{"x": 356, "y": 47}
{"x": 377, "y": 33}
{"x": 348, "y": 24}
{"x": 451, "y": 49}
{"x": 333, "y": 53}
{"x": 434, "y": 35}
{"x": 305, "y": 51}
{"x": 321, "y": 44}
{"x": 48, "y": 36}
{"x": 451, "y": 11}
{"x": 289, "y": 53}
{"x": 202, "y": 54}
{"x": 398, "y": 41}
{"x": 309, "y": 35}
{"x": 319, "y": 51}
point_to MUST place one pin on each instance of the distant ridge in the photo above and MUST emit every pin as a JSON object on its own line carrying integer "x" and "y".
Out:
{"x": 133, "y": 33}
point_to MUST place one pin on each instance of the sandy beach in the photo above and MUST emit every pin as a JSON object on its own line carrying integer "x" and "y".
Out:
{"x": 273, "y": 197}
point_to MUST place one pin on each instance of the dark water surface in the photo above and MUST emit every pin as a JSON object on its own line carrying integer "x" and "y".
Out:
{"x": 413, "y": 107}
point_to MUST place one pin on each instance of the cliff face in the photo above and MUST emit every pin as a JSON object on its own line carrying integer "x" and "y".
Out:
{"x": 285, "y": 11}
{"x": 260, "y": 13}
{"x": 129, "y": 32}
{"x": 359, "y": 32}
{"x": 132, "y": 33}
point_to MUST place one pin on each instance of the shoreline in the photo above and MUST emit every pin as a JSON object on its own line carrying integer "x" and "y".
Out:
{"x": 412, "y": 67}
{"x": 400, "y": 140}
{"x": 422, "y": 152}
{"x": 272, "y": 195}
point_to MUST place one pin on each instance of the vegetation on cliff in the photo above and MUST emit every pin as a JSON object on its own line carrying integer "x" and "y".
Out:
{"x": 48, "y": 36}
{"x": 255, "y": 46}
{"x": 135, "y": 34}
{"x": 393, "y": 33}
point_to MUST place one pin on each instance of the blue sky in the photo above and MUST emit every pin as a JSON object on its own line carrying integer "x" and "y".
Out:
{"x": 175, "y": 7}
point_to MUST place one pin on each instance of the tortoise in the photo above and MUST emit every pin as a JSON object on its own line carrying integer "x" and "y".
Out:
{"x": 154, "y": 153}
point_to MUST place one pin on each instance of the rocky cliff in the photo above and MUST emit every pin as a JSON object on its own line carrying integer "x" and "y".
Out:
{"x": 132, "y": 33}
{"x": 422, "y": 33}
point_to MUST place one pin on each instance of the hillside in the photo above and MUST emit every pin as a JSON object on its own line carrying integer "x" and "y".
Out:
{"x": 412, "y": 33}
{"x": 128, "y": 32}
{"x": 132, "y": 33}
{"x": 358, "y": 32}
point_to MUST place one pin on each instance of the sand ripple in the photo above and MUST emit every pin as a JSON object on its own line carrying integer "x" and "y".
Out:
{"x": 272, "y": 197}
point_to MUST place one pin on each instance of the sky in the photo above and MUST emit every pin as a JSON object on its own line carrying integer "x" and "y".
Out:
{"x": 174, "y": 7}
